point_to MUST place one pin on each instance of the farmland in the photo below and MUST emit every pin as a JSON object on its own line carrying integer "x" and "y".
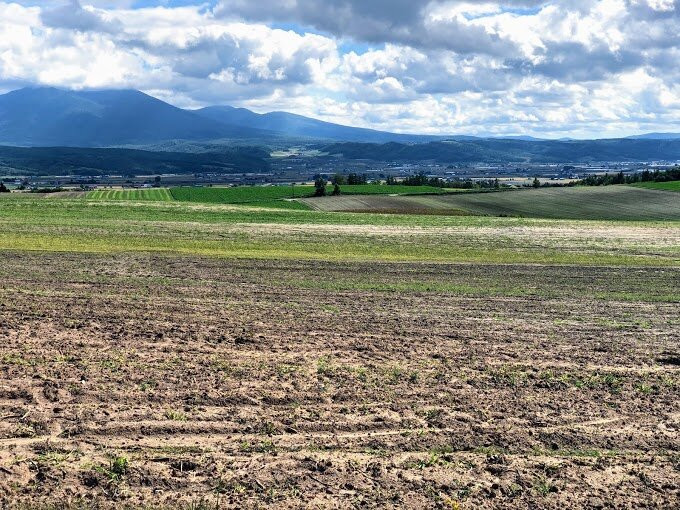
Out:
{"x": 668, "y": 186}
{"x": 596, "y": 203}
{"x": 235, "y": 230}
{"x": 261, "y": 196}
{"x": 652, "y": 202}
{"x": 136, "y": 194}
{"x": 394, "y": 189}
{"x": 279, "y": 197}
{"x": 200, "y": 351}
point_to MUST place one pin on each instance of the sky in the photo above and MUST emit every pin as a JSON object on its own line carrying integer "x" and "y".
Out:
{"x": 575, "y": 68}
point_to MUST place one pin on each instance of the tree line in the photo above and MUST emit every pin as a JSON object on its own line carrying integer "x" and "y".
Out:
{"x": 621, "y": 178}
{"x": 422, "y": 179}
{"x": 352, "y": 179}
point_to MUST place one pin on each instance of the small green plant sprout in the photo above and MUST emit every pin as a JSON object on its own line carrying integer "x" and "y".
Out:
{"x": 119, "y": 466}
{"x": 175, "y": 415}
{"x": 543, "y": 486}
{"x": 116, "y": 470}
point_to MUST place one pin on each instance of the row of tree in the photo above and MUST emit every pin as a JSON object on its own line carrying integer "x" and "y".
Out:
{"x": 351, "y": 179}
{"x": 321, "y": 185}
{"x": 422, "y": 179}
{"x": 419, "y": 179}
{"x": 621, "y": 178}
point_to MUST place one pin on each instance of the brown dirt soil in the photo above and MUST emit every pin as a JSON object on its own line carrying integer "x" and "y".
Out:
{"x": 256, "y": 383}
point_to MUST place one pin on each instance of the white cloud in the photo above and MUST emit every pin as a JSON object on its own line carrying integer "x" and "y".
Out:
{"x": 442, "y": 66}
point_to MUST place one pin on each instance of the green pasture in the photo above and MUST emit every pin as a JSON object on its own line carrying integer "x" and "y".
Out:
{"x": 279, "y": 197}
{"x": 31, "y": 223}
{"x": 666, "y": 186}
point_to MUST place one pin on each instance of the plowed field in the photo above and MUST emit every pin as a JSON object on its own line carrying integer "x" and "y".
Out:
{"x": 135, "y": 380}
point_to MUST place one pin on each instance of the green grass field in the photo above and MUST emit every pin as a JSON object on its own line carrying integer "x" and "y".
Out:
{"x": 667, "y": 186}
{"x": 154, "y": 194}
{"x": 580, "y": 203}
{"x": 33, "y": 223}
{"x": 570, "y": 225}
{"x": 277, "y": 197}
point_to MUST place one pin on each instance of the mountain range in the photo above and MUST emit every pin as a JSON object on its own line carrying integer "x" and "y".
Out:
{"x": 498, "y": 150}
{"x": 292, "y": 125}
{"x": 104, "y": 118}
{"x": 53, "y": 117}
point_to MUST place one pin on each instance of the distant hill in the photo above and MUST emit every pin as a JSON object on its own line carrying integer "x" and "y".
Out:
{"x": 48, "y": 116}
{"x": 520, "y": 137}
{"x": 88, "y": 161}
{"x": 507, "y": 150}
{"x": 103, "y": 118}
{"x": 656, "y": 136}
{"x": 299, "y": 126}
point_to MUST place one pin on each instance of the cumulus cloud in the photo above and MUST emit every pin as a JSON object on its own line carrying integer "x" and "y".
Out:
{"x": 406, "y": 22}
{"x": 572, "y": 68}
{"x": 73, "y": 16}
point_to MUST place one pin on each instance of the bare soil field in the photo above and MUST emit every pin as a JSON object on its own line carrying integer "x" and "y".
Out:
{"x": 163, "y": 381}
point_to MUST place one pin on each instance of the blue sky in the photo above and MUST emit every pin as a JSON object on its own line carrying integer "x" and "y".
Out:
{"x": 550, "y": 69}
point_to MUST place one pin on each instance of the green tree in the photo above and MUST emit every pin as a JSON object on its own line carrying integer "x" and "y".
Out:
{"x": 319, "y": 186}
{"x": 3, "y": 188}
{"x": 336, "y": 189}
{"x": 537, "y": 183}
{"x": 353, "y": 179}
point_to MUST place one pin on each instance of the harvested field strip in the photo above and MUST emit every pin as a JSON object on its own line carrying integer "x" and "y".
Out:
{"x": 156, "y": 194}
{"x": 383, "y": 205}
{"x": 593, "y": 203}
{"x": 394, "y": 189}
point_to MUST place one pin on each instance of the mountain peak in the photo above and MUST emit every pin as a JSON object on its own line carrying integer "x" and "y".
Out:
{"x": 51, "y": 116}
{"x": 105, "y": 117}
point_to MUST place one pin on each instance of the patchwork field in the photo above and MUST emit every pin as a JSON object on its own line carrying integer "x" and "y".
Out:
{"x": 72, "y": 225}
{"x": 596, "y": 203}
{"x": 279, "y": 197}
{"x": 169, "y": 354}
{"x": 651, "y": 201}
{"x": 160, "y": 194}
